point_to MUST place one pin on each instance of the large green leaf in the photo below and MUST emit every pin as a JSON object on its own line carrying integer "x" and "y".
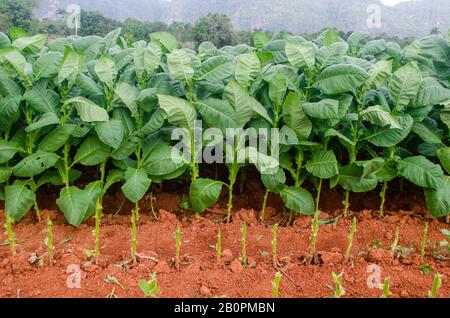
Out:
{"x": 19, "y": 200}
{"x": 378, "y": 73}
{"x": 70, "y": 67}
{"x": 8, "y": 150}
{"x": 302, "y": 56}
{"x": 422, "y": 172}
{"x": 248, "y": 67}
{"x": 74, "y": 203}
{"x": 47, "y": 119}
{"x": 438, "y": 200}
{"x": 56, "y": 138}
{"x": 146, "y": 60}
{"x": 332, "y": 54}
{"x": 35, "y": 164}
{"x": 428, "y": 131}
{"x": 106, "y": 70}
{"x": 405, "y": 84}
{"x": 350, "y": 178}
{"x": 431, "y": 93}
{"x": 128, "y": 95}
{"x": 379, "y": 116}
{"x": 43, "y": 100}
{"x": 217, "y": 69}
{"x": 5, "y": 173}
{"x": 4, "y": 41}
{"x": 111, "y": 133}
{"x": 216, "y": 113}
{"x": 295, "y": 117}
{"x": 180, "y": 66}
{"x": 323, "y": 164}
{"x": 298, "y": 200}
{"x": 204, "y": 193}
{"x": 390, "y": 137}
{"x": 136, "y": 185}
{"x": 163, "y": 160}
{"x": 92, "y": 152}
{"x": 324, "y": 109}
{"x": 444, "y": 158}
{"x": 30, "y": 44}
{"x": 88, "y": 110}
{"x": 47, "y": 65}
{"x": 179, "y": 111}
{"x": 274, "y": 182}
{"x": 167, "y": 40}
{"x": 341, "y": 78}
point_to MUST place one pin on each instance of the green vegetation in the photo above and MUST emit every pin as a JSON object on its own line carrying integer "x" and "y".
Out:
{"x": 276, "y": 285}
{"x": 150, "y": 288}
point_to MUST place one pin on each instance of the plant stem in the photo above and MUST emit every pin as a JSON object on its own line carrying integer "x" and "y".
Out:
{"x": 315, "y": 227}
{"x": 134, "y": 213}
{"x": 276, "y": 285}
{"x": 274, "y": 245}
{"x": 50, "y": 241}
{"x": 10, "y": 232}
{"x": 383, "y": 198}
{"x": 244, "y": 245}
{"x": 424, "y": 241}
{"x": 263, "y": 209}
{"x": 37, "y": 211}
{"x": 394, "y": 245}
{"x": 351, "y": 236}
{"x": 346, "y": 203}
{"x": 177, "y": 247}
{"x": 99, "y": 214}
{"x": 66, "y": 164}
{"x": 219, "y": 245}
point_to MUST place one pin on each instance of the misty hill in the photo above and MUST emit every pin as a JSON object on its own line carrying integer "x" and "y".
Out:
{"x": 414, "y": 18}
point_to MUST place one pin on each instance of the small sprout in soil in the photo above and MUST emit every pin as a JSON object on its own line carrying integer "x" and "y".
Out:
{"x": 424, "y": 242}
{"x": 437, "y": 283}
{"x": 134, "y": 218}
{"x": 337, "y": 287}
{"x": 10, "y": 233}
{"x": 177, "y": 247}
{"x": 312, "y": 255}
{"x": 351, "y": 236}
{"x": 394, "y": 245}
{"x": 112, "y": 294}
{"x": 426, "y": 269}
{"x": 386, "y": 287}
{"x": 274, "y": 245}
{"x": 276, "y": 285}
{"x": 244, "y": 245}
{"x": 112, "y": 280}
{"x": 150, "y": 288}
{"x": 89, "y": 253}
{"x": 219, "y": 245}
{"x": 49, "y": 241}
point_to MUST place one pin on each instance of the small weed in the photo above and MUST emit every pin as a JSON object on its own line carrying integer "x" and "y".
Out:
{"x": 150, "y": 288}
{"x": 437, "y": 283}
{"x": 276, "y": 284}
{"x": 337, "y": 287}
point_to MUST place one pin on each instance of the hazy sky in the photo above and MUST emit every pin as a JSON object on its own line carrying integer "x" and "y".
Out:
{"x": 392, "y": 2}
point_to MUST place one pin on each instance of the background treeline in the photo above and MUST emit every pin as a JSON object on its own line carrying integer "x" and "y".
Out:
{"x": 215, "y": 28}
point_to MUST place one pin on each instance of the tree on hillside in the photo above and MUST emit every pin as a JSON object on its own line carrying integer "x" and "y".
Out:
{"x": 95, "y": 23}
{"x": 16, "y": 13}
{"x": 215, "y": 28}
{"x": 136, "y": 30}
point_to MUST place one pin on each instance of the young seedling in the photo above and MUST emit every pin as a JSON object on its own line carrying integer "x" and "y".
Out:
{"x": 276, "y": 285}
{"x": 351, "y": 236}
{"x": 134, "y": 218}
{"x": 244, "y": 245}
{"x": 314, "y": 229}
{"x": 219, "y": 245}
{"x": 49, "y": 241}
{"x": 394, "y": 245}
{"x": 337, "y": 287}
{"x": 10, "y": 233}
{"x": 150, "y": 288}
{"x": 424, "y": 241}
{"x": 177, "y": 247}
{"x": 386, "y": 288}
{"x": 274, "y": 245}
{"x": 437, "y": 283}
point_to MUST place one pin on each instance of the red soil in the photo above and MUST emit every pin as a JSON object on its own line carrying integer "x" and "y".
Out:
{"x": 201, "y": 276}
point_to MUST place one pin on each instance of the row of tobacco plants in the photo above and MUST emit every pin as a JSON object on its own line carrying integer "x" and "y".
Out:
{"x": 352, "y": 114}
